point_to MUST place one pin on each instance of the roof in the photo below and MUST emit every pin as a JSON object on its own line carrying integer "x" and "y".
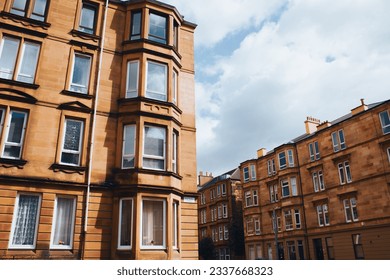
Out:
{"x": 233, "y": 174}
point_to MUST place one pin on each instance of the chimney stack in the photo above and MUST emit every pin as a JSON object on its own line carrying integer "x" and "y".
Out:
{"x": 363, "y": 107}
{"x": 311, "y": 125}
{"x": 261, "y": 152}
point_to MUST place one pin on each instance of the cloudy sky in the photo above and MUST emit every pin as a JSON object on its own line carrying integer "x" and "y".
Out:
{"x": 263, "y": 66}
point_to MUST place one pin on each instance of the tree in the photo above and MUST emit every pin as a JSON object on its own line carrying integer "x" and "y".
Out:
{"x": 207, "y": 249}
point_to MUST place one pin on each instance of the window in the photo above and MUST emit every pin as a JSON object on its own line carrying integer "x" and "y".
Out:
{"x": 358, "y": 246}
{"x": 136, "y": 23}
{"x": 314, "y": 151}
{"x": 22, "y": 8}
{"x": 338, "y": 140}
{"x": 318, "y": 181}
{"x": 255, "y": 197}
{"x": 63, "y": 223}
{"x": 273, "y": 193}
{"x": 350, "y": 209}
{"x": 249, "y": 226}
{"x": 154, "y": 148}
{"x": 285, "y": 188}
{"x": 246, "y": 174}
{"x": 271, "y": 167}
{"x": 385, "y": 122}
{"x": 294, "y": 190}
{"x": 297, "y": 215}
{"x": 257, "y": 226}
{"x": 87, "y": 19}
{"x": 175, "y": 225}
{"x": 175, "y": 35}
{"x": 2, "y": 114}
{"x": 156, "y": 81}
{"x": 225, "y": 232}
{"x": 248, "y": 199}
{"x": 291, "y": 250}
{"x": 388, "y": 153}
{"x": 225, "y": 210}
{"x": 253, "y": 172}
{"x": 174, "y": 86}
{"x": 157, "y": 28}
{"x": 223, "y": 189}
{"x": 128, "y": 152}
{"x": 153, "y": 222}
{"x": 26, "y": 61}
{"x": 219, "y": 212}
{"x": 125, "y": 230}
{"x": 344, "y": 173}
{"x": 80, "y": 73}
{"x": 290, "y": 158}
{"x": 25, "y": 221}
{"x": 301, "y": 250}
{"x": 14, "y": 134}
{"x": 220, "y": 229}
{"x": 132, "y": 79}
{"x": 323, "y": 215}
{"x": 288, "y": 221}
{"x": 219, "y": 190}
{"x": 282, "y": 160}
{"x": 72, "y": 142}
{"x": 174, "y": 151}
{"x": 329, "y": 248}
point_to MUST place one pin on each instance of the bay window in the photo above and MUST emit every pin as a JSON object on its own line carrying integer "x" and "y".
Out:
{"x": 25, "y": 221}
{"x": 156, "y": 81}
{"x": 125, "y": 231}
{"x": 72, "y": 142}
{"x": 153, "y": 224}
{"x": 154, "y": 148}
{"x": 157, "y": 28}
{"x": 63, "y": 223}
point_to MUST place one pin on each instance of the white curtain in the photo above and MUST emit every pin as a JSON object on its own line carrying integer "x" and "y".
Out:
{"x": 26, "y": 221}
{"x": 153, "y": 223}
{"x": 63, "y": 221}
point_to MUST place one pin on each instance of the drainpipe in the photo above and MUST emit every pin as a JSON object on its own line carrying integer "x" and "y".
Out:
{"x": 91, "y": 146}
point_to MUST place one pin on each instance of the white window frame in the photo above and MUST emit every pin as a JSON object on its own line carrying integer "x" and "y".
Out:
{"x": 338, "y": 140}
{"x": 321, "y": 180}
{"x": 14, "y": 220}
{"x": 156, "y": 95}
{"x": 218, "y": 190}
{"x": 253, "y": 172}
{"x": 290, "y": 156}
{"x": 257, "y": 226}
{"x": 123, "y": 247}
{"x": 175, "y": 224}
{"x": 344, "y": 172}
{"x": 131, "y": 89}
{"x": 7, "y": 131}
{"x": 2, "y": 117}
{"x": 294, "y": 186}
{"x": 154, "y": 157}
{"x": 84, "y": 88}
{"x": 246, "y": 174}
{"x": 248, "y": 199}
{"x": 20, "y": 76}
{"x": 281, "y": 156}
{"x": 9, "y": 73}
{"x": 271, "y": 167}
{"x": 288, "y": 217}
{"x": 255, "y": 197}
{"x": 224, "y": 210}
{"x": 54, "y": 224}
{"x": 164, "y": 229}
{"x": 174, "y": 86}
{"x": 323, "y": 214}
{"x": 388, "y": 154}
{"x": 124, "y": 141}
{"x": 285, "y": 184}
{"x": 315, "y": 182}
{"x": 223, "y": 189}
{"x": 225, "y": 232}
{"x": 220, "y": 230}
{"x": 175, "y": 139}
{"x": 219, "y": 212}
{"x": 79, "y": 151}
{"x": 297, "y": 218}
{"x": 314, "y": 151}
{"x": 349, "y": 205}
{"x": 385, "y": 127}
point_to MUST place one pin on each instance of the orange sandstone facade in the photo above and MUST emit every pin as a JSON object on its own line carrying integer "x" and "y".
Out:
{"x": 325, "y": 194}
{"x": 97, "y": 129}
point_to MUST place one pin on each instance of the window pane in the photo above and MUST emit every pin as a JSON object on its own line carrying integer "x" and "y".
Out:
{"x": 156, "y": 87}
{"x": 342, "y": 140}
{"x": 135, "y": 26}
{"x": 154, "y": 148}
{"x": 282, "y": 160}
{"x": 64, "y": 222}
{"x": 19, "y": 7}
{"x": 13, "y": 145}
{"x": 385, "y": 122}
{"x": 126, "y": 221}
{"x": 335, "y": 142}
{"x": 153, "y": 223}
{"x": 87, "y": 21}
{"x": 132, "y": 79}
{"x": 72, "y": 142}
{"x": 29, "y": 63}
{"x": 80, "y": 76}
{"x": 128, "y": 146}
{"x": 157, "y": 28}
{"x": 39, "y": 10}
{"x": 24, "y": 229}
{"x": 9, "y": 51}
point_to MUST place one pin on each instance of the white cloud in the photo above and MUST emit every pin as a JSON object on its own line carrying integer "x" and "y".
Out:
{"x": 317, "y": 60}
